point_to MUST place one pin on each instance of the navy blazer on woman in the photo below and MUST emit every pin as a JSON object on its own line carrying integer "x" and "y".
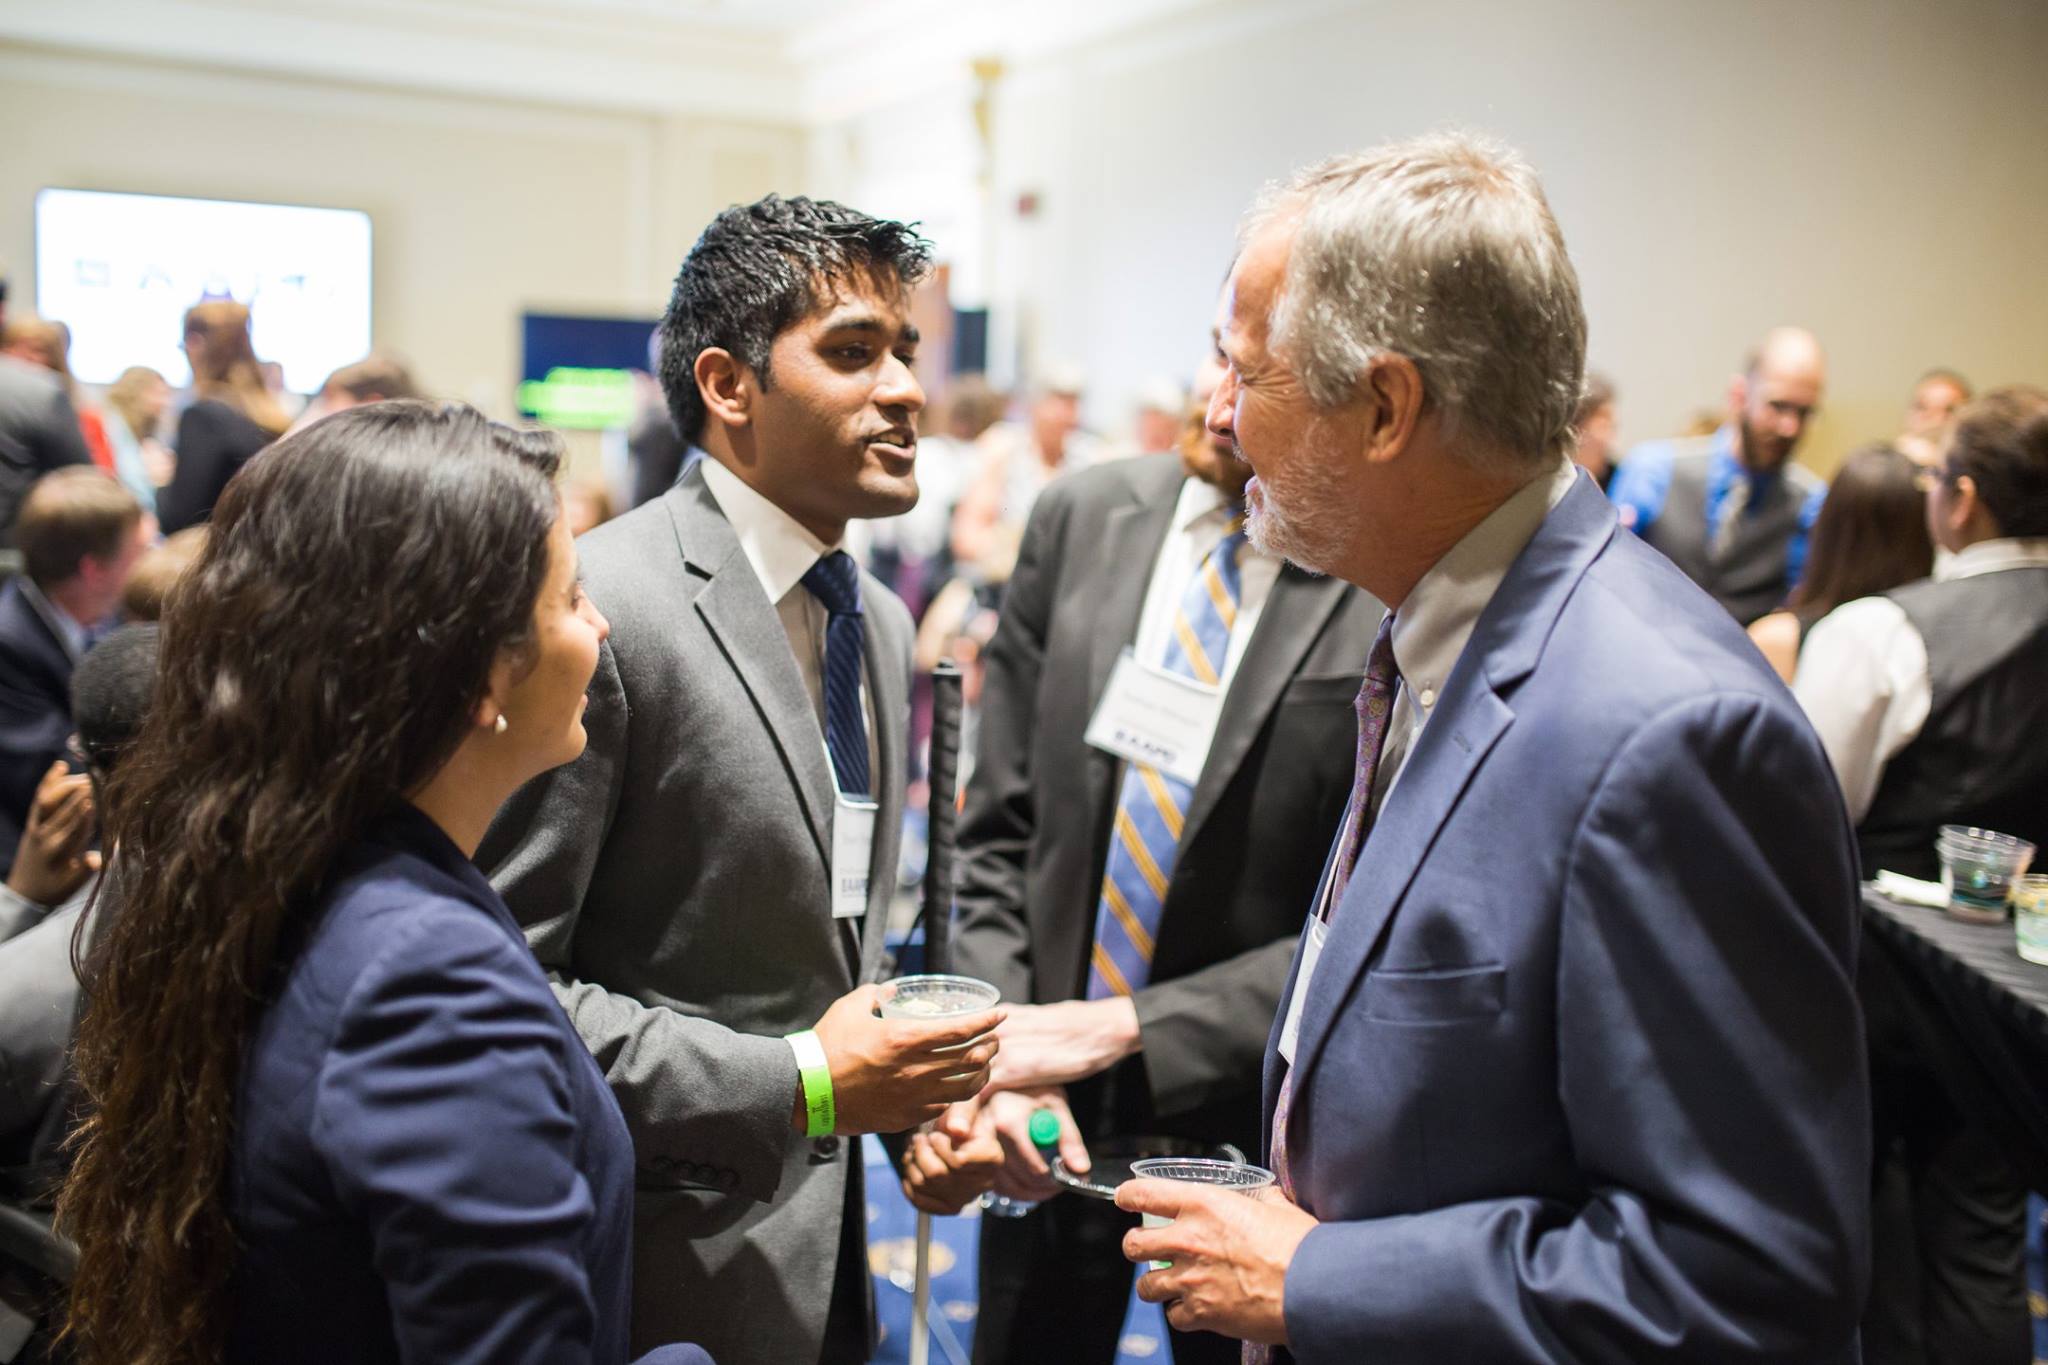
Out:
{"x": 35, "y": 709}
{"x": 428, "y": 1165}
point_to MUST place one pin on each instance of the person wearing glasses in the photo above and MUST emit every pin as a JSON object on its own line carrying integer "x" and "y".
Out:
{"x": 1731, "y": 509}
{"x": 1926, "y": 699}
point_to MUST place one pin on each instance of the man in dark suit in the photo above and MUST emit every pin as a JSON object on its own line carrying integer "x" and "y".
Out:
{"x": 80, "y": 534}
{"x": 1569, "y": 1066}
{"x": 699, "y": 881}
{"x": 38, "y": 433}
{"x": 1153, "y": 1006}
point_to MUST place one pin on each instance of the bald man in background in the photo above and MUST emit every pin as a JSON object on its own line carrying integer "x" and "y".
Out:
{"x": 1731, "y": 509}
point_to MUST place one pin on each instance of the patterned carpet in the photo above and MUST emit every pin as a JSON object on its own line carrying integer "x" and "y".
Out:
{"x": 892, "y": 1238}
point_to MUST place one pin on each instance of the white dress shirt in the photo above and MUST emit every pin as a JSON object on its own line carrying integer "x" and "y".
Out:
{"x": 781, "y": 551}
{"x": 1863, "y": 675}
{"x": 1435, "y": 623}
{"x": 1201, "y": 517}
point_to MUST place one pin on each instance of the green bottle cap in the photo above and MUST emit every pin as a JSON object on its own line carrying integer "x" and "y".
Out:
{"x": 1045, "y": 1128}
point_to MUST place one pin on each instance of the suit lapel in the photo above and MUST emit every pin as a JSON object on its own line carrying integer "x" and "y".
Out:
{"x": 1131, "y": 538}
{"x": 750, "y": 636}
{"x": 887, "y": 690}
{"x": 1296, "y": 610}
{"x": 1468, "y": 721}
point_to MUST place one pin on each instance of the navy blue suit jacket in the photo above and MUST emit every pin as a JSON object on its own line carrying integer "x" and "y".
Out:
{"x": 1581, "y": 1072}
{"x": 35, "y": 710}
{"x": 428, "y": 1166}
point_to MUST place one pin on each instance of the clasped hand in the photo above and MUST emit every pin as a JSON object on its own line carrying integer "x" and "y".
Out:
{"x": 985, "y": 1144}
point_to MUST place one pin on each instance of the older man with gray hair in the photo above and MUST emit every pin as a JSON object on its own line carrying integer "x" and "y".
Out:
{"x": 1569, "y": 1066}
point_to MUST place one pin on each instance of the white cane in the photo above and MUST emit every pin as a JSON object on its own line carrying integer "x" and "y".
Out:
{"x": 967, "y": 996}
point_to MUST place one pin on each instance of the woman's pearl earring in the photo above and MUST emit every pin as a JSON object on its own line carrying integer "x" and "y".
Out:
{"x": 502, "y": 724}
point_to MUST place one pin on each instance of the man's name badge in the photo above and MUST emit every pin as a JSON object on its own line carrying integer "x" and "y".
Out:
{"x": 1160, "y": 719}
{"x": 1318, "y": 930}
{"x": 853, "y": 851}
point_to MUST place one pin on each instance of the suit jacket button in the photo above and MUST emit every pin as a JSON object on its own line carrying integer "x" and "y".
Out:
{"x": 825, "y": 1148}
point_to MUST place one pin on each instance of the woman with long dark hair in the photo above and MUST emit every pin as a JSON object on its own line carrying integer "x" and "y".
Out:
{"x": 334, "y": 1111}
{"x": 1870, "y": 537}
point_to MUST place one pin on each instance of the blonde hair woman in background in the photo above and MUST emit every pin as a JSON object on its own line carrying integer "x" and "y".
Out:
{"x": 231, "y": 418}
{"x": 138, "y": 400}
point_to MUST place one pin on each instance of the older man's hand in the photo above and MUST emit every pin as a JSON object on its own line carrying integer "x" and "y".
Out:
{"x": 1229, "y": 1256}
{"x": 1058, "y": 1044}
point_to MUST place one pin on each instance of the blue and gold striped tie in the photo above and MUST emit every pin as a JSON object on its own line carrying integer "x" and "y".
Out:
{"x": 1152, "y": 806}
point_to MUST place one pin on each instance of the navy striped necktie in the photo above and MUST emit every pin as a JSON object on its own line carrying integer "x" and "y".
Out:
{"x": 835, "y": 581}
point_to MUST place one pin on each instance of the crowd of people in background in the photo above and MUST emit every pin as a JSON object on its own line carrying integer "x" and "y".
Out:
{"x": 1901, "y": 602}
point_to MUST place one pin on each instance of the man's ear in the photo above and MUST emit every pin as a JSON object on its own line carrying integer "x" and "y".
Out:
{"x": 1391, "y": 397}
{"x": 1738, "y": 395}
{"x": 726, "y": 385}
{"x": 1967, "y": 513}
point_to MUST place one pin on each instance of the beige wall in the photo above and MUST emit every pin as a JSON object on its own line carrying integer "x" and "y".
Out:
{"x": 1868, "y": 167}
{"x": 479, "y": 209}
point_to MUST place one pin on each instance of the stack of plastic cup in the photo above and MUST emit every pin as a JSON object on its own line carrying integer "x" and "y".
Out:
{"x": 1240, "y": 1176}
{"x": 2030, "y": 917}
{"x": 1979, "y": 866}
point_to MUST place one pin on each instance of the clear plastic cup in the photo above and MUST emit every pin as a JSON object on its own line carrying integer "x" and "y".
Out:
{"x": 1240, "y": 1176}
{"x": 936, "y": 996}
{"x": 1978, "y": 867}
{"x": 2030, "y": 917}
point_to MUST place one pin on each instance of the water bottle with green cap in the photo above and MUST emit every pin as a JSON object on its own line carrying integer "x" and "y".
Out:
{"x": 1044, "y": 1131}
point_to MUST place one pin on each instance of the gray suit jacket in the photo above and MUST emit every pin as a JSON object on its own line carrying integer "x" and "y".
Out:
{"x": 1041, "y": 803}
{"x": 674, "y": 882}
{"x": 38, "y": 1013}
{"x": 38, "y": 433}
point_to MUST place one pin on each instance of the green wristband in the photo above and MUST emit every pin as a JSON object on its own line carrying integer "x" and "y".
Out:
{"x": 820, "y": 1117}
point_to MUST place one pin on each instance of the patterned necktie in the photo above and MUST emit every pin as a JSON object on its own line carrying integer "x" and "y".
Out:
{"x": 1375, "y": 706}
{"x": 1152, "y": 806}
{"x": 835, "y": 581}
{"x": 1733, "y": 504}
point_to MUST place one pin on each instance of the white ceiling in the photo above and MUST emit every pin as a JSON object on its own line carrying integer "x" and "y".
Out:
{"x": 780, "y": 61}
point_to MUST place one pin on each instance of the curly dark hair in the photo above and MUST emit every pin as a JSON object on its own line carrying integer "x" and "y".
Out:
{"x": 318, "y": 662}
{"x": 763, "y": 266}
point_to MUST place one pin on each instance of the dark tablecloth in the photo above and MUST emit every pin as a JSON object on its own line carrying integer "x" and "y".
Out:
{"x": 1979, "y": 1012}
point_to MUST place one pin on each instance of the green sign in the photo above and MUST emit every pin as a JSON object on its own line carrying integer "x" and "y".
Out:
{"x": 571, "y": 397}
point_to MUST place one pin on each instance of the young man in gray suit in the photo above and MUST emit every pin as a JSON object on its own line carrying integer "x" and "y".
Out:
{"x": 698, "y": 882}
{"x": 1168, "y": 1036}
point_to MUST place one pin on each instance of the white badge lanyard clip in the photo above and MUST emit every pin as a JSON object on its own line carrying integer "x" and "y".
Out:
{"x": 1311, "y": 951}
{"x": 1163, "y": 720}
{"x": 853, "y": 848}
